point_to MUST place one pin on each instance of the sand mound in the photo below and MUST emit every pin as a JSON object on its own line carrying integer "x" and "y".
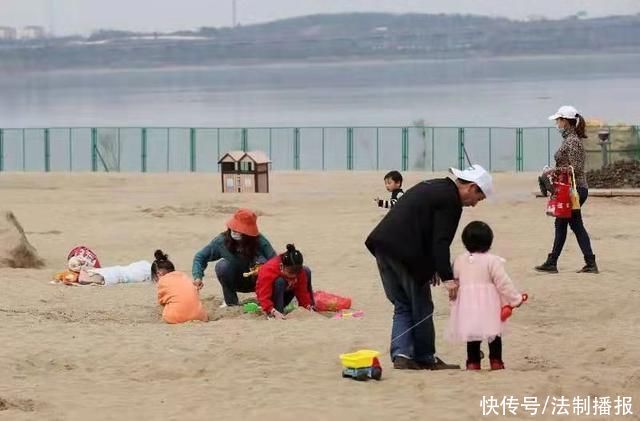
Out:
{"x": 212, "y": 306}
{"x": 25, "y": 405}
{"x": 15, "y": 249}
{"x": 620, "y": 174}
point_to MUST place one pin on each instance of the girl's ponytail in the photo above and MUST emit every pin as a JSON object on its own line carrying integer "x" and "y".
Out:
{"x": 161, "y": 262}
{"x": 581, "y": 127}
{"x": 292, "y": 257}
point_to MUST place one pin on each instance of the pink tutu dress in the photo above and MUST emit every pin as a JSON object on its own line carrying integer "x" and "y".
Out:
{"x": 484, "y": 288}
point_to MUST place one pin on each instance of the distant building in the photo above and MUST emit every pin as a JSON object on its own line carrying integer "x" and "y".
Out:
{"x": 8, "y": 33}
{"x": 32, "y": 32}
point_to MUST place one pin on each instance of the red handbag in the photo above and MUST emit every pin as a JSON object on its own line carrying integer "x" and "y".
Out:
{"x": 559, "y": 205}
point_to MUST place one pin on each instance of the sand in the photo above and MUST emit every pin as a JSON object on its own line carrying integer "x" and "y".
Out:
{"x": 102, "y": 353}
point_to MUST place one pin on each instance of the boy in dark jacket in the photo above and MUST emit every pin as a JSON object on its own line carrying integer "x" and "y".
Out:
{"x": 411, "y": 247}
{"x": 393, "y": 184}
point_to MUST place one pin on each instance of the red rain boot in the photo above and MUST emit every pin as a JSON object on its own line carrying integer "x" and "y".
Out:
{"x": 473, "y": 366}
{"x": 497, "y": 364}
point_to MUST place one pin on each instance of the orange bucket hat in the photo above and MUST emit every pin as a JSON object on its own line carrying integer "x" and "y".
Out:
{"x": 244, "y": 221}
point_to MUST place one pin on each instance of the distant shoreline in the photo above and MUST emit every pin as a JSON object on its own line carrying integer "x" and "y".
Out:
{"x": 334, "y": 61}
{"x": 327, "y": 39}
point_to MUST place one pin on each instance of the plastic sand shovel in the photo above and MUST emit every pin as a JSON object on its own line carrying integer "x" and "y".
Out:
{"x": 507, "y": 310}
{"x": 349, "y": 314}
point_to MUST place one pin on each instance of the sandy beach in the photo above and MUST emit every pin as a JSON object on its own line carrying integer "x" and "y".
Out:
{"x": 103, "y": 353}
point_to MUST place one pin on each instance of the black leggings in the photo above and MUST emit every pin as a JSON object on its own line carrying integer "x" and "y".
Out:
{"x": 577, "y": 226}
{"x": 495, "y": 350}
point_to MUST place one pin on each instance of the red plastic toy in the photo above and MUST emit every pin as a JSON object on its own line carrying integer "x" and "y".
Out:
{"x": 507, "y": 310}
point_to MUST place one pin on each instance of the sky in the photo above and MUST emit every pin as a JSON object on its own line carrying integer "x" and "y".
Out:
{"x": 67, "y": 17}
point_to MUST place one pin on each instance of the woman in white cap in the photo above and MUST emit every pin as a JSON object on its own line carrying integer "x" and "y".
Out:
{"x": 571, "y": 154}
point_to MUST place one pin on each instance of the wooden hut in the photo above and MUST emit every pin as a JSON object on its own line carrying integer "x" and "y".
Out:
{"x": 244, "y": 172}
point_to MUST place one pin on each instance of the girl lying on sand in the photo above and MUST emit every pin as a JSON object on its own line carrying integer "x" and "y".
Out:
{"x": 111, "y": 275}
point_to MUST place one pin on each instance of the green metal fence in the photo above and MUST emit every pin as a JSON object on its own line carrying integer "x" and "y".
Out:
{"x": 163, "y": 149}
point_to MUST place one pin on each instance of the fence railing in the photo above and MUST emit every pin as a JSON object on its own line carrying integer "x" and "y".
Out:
{"x": 163, "y": 149}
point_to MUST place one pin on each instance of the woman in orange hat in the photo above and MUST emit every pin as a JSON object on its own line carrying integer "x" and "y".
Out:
{"x": 237, "y": 250}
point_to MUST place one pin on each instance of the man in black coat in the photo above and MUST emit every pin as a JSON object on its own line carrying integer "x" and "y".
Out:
{"x": 411, "y": 247}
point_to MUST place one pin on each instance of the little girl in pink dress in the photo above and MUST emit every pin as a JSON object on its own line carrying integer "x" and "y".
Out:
{"x": 483, "y": 288}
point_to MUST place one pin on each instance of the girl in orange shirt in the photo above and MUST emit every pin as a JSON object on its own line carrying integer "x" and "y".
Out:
{"x": 176, "y": 292}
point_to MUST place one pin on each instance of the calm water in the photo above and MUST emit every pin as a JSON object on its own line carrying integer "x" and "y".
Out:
{"x": 511, "y": 92}
{"x": 471, "y": 92}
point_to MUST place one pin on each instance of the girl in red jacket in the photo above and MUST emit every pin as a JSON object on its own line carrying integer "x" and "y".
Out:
{"x": 282, "y": 278}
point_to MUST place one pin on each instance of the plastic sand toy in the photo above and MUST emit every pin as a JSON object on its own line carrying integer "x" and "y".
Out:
{"x": 507, "y": 310}
{"x": 361, "y": 365}
{"x": 251, "y": 308}
{"x": 292, "y": 306}
{"x": 349, "y": 314}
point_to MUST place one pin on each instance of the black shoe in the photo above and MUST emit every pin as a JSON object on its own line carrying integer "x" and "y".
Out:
{"x": 589, "y": 269}
{"x": 590, "y": 265}
{"x": 438, "y": 364}
{"x": 403, "y": 363}
{"x": 550, "y": 266}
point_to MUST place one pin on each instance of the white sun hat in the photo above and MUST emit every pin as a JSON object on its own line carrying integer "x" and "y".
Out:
{"x": 566, "y": 111}
{"x": 478, "y": 175}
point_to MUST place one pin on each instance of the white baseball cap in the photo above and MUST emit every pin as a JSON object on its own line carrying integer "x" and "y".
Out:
{"x": 566, "y": 111}
{"x": 478, "y": 175}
